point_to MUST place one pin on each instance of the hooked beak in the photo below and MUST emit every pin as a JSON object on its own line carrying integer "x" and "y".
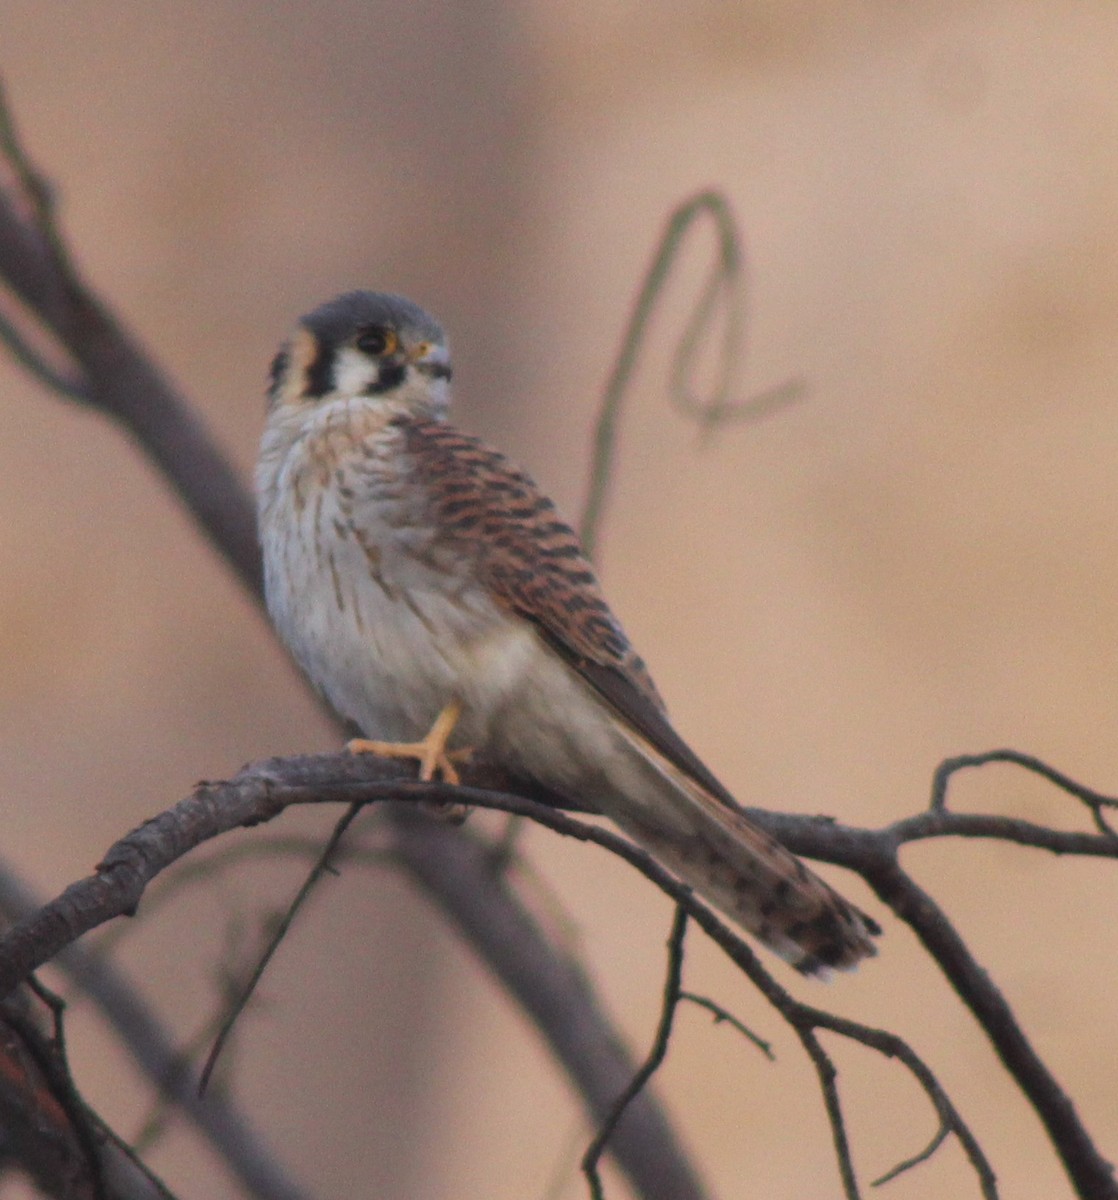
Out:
{"x": 429, "y": 360}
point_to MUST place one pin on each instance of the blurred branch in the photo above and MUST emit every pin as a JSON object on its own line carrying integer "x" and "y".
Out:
{"x": 111, "y": 372}
{"x": 35, "y": 363}
{"x": 150, "y": 1045}
{"x": 723, "y": 287}
{"x": 48, "y": 1130}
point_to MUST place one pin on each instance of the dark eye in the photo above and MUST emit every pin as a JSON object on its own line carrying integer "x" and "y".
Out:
{"x": 376, "y": 341}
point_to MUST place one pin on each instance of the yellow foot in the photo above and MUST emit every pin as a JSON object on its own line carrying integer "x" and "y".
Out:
{"x": 431, "y": 753}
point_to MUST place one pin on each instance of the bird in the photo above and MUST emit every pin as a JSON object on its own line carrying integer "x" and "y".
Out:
{"x": 441, "y": 605}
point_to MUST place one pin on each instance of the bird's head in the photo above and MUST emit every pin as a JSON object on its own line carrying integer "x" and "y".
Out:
{"x": 371, "y": 347}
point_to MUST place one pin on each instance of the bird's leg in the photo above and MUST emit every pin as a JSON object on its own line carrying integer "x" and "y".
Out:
{"x": 431, "y": 753}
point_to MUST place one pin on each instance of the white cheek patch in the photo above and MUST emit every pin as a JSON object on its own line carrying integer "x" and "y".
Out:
{"x": 437, "y": 395}
{"x": 353, "y": 372}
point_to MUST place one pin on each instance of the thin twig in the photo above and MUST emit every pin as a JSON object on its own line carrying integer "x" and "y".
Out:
{"x": 1095, "y": 801}
{"x": 128, "y": 1152}
{"x": 1091, "y": 1174}
{"x": 320, "y": 868}
{"x": 723, "y": 285}
{"x": 151, "y": 1047}
{"x": 655, "y": 1057}
{"x": 597, "y": 1069}
{"x": 938, "y": 1138}
{"x": 304, "y": 849}
{"x": 805, "y": 1019}
{"x": 722, "y": 1015}
{"x": 827, "y": 1074}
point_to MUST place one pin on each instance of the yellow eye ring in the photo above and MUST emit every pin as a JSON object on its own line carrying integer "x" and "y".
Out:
{"x": 377, "y": 341}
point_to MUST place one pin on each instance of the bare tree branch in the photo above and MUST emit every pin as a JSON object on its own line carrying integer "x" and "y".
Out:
{"x": 651, "y": 1064}
{"x": 874, "y": 855}
{"x": 262, "y": 791}
{"x": 115, "y": 376}
{"x": 144, "y": 1037}
{"x": 49, "y": 1131}
{"x": 1091, "y": 1174}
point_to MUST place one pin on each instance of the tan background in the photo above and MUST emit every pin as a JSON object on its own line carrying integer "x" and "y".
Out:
{"x": 918, "y": 561}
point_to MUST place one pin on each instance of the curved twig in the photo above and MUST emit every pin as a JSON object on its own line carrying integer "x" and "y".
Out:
{"x": 1096, "y": 802}
{"x": 723, "y": 284}
{"x": 722, "y": 1015}
{"x": 651, "y": 1064}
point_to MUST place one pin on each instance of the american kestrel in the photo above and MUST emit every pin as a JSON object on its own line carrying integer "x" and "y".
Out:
{"x": 438, "y": 601}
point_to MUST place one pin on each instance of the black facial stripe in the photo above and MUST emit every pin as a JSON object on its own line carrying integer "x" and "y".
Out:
{"x": 390, "y": 377}
{"x": 277, "y": 371}
{"x": 320, "y": 371}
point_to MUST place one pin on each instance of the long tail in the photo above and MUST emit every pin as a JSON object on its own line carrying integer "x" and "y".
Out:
{"x": 746, "y": 873}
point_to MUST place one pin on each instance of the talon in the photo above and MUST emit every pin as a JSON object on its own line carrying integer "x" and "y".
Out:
{"x": 431, "y": 753}
{"x": 439, "y": 764}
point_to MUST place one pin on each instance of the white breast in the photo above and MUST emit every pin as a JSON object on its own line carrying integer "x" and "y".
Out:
{"x": 387, "y": 636}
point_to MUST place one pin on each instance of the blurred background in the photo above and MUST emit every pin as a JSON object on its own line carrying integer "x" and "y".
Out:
{"x": 916, "y": 561}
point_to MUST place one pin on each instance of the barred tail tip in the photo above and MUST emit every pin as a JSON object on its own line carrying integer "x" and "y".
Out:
{"x": 837, "y": 940}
